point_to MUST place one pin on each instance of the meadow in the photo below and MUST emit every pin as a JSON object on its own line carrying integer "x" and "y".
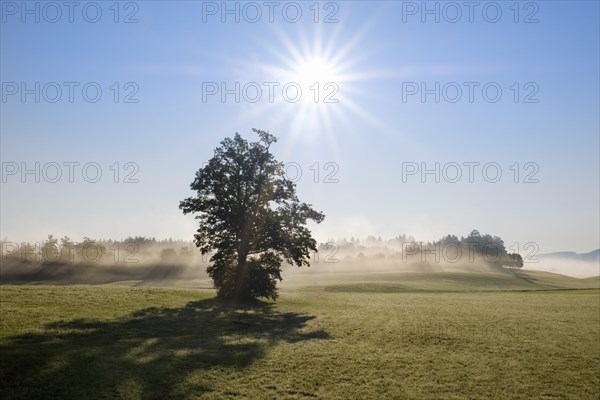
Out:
{"x": 438, "y": 335}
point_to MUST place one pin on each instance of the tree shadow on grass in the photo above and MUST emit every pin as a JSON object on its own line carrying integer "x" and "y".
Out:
{"x": 149, "y": 354}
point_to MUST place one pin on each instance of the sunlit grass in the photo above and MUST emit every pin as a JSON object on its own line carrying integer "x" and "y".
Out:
{"x": 357, "y": 343}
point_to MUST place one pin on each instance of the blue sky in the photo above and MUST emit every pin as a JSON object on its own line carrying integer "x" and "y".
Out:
{"x": 373, "y": 54}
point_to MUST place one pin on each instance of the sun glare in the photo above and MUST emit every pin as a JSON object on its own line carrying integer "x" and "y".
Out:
{"x": 317, "y": 86}
{"x": 314, "y": 71}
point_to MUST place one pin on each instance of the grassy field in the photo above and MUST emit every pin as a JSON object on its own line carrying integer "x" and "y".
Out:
{"x": 353, "y": 336}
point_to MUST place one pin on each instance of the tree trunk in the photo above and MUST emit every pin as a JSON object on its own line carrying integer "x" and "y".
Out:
{"x": 241, "y": 287}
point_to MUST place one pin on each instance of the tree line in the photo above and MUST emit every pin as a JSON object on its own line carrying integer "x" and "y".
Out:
{"x": 134, "y": 249}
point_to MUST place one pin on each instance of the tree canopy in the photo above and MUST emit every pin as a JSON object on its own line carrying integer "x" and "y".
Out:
{"x": 250, "y": 218}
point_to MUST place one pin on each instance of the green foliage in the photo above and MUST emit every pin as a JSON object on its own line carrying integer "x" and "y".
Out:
{"x": 514, "y": 260}
{"x": 258, "y": 278}
{"x": 491, "y": 248}
{"x": 50, "y": 250}
{"x": 250, "y": 217}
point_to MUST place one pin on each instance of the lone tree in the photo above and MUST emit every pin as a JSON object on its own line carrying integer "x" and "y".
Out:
{"x": 250, "y": 217}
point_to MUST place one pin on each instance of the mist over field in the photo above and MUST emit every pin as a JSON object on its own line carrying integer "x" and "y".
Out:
{"x": 145, "y": 261}
{"x": 569, "y": 263}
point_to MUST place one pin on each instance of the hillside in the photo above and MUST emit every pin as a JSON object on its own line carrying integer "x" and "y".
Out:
{"x": 441, "y": 281}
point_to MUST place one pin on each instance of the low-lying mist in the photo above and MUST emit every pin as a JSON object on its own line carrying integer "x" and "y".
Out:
{"x": 141, "y": 262}
{"x": 573, "y": 266}
{"x": 144, "y": 261}
{"x": 152, "y": 273}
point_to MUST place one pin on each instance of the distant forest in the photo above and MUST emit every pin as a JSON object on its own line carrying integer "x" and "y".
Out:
{"x": 476, "y": 247}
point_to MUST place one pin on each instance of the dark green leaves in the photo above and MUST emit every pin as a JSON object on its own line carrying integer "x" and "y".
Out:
{"x": 249, "y": 218}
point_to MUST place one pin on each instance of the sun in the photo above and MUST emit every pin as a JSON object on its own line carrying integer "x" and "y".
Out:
{"x": 315, "y": 70}
{"x": 317, "y": 86}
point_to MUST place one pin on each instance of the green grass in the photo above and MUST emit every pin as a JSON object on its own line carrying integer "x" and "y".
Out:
{"x": 354, "y": 336}
{"x": 440, "y": 281}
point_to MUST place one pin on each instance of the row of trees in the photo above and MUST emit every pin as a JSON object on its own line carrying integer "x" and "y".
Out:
{"x": 490, "y": 248}
{"x": 136, "y": 249}
{"x": 65, "y": 251}
{"x": 474, "y": 247}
